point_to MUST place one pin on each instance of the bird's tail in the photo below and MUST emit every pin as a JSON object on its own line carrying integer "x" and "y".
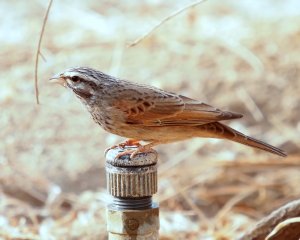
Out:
{"x": 222, "y": 131}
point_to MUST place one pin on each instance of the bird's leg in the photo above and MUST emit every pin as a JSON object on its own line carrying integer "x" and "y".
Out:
{"x": 140, "y": 149}
{"x": 128, "y": 142}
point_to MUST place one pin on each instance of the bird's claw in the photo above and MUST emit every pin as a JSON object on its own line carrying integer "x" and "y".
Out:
{"x": 132, "y": 152}
{"x": 127, "y": 143}
{"x": 121, "y": 154}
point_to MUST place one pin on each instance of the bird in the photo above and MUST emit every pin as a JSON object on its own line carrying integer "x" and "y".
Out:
{"x": 143, "y": 113}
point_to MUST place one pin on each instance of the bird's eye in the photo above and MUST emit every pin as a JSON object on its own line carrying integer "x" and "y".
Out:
{"x": 75, "y": 79}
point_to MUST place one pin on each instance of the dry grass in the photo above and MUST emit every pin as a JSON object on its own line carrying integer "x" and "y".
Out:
{"x": 237, "y": 55}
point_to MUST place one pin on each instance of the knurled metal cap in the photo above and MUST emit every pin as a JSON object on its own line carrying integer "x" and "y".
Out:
{"x": 131, "y": 178}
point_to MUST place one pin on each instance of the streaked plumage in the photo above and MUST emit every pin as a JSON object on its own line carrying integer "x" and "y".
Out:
{"x": 150, "y": 114}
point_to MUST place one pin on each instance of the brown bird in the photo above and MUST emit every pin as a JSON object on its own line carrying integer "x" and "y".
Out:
{"x": 145, "y": 113}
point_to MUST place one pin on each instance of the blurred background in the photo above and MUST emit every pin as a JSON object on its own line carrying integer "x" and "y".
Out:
{"x": 241, "y": 56}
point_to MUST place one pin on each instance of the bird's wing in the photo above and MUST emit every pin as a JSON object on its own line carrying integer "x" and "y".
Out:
{"x": 196, "y": 113}
{"x": 140, "y": 104}
{"x": 154, "y": 107}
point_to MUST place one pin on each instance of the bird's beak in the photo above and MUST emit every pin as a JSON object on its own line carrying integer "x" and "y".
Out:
{"x": 58, "y": 79}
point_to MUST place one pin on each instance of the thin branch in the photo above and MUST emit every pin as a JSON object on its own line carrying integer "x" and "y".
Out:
{"x": 232, "y": 202}
{"x": 38, "y": 52}
{"x": 289, "y": 227}
{"x": 174, "y": 14}
{"x": 43, "y": 57}
{"x": 267, "y": 224}
{"x": 249, "y": 102}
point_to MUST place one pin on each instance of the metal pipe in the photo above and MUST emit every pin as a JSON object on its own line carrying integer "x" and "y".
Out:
{"x": 132, "y": 214}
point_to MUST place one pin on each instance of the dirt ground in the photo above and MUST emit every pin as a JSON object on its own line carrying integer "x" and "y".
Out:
{"x": 242, "y": 56}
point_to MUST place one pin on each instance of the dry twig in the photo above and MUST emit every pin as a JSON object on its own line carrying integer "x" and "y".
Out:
{"x": 232, "y": 202}
{"x": 249, "y": 102}
{"x": 288, "y": 228}
{"x": 169, "y": 17}
{"x": 267, "y": 224}
{"x": 38, "y": 53}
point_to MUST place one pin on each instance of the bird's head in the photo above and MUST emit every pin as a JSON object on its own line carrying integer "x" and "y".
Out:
{"x": 84, "y": 82}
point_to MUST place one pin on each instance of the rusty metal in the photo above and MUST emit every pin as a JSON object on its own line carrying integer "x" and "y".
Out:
{"x": 132, "y": 214}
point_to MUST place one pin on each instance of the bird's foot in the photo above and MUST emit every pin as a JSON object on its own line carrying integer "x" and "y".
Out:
{"x": 134, "y": 152}
{"x": 127, "y": 143}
